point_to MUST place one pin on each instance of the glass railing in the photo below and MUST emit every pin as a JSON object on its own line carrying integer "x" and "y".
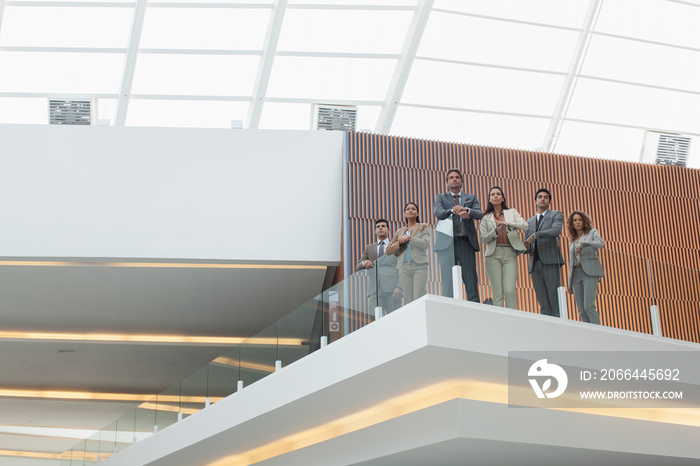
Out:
{"x": 629, "y": 294}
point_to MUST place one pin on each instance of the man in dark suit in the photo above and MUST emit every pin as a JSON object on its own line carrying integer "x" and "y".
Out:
{"x": 383, "y": 289}
{"x": 461, "y": 247}
{"x": 542, "y": 244}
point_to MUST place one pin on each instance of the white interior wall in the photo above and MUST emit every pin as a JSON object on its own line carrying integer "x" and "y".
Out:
{"x": 168, "y": 193}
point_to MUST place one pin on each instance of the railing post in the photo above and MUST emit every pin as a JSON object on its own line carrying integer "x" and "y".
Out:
{"x": 654, "y": 308}
{"x": 563, "y": 307}
{"x": 457, "y": 282}
{"x": 378, "y": 313}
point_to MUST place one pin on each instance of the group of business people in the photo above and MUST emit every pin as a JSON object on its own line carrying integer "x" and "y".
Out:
{"x": 457, "y": 241}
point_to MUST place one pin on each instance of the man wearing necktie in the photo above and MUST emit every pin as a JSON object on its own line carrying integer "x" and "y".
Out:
{"x": 542, "y": 244}
{"x": 383, "y": 290}
{"x": 460, "y": 249}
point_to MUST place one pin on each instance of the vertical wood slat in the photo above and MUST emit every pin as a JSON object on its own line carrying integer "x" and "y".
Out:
{"x": 385, "y": 172}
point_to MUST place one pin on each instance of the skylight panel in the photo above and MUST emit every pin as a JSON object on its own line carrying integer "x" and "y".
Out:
{"x": 204, "y": 28}
{"x": 644, "y": 63}
{"x": 24, "y": 110}
{"x": 185, "y": 113}
{"x": 455, "y": 37}
{"x": 471, "y": 128}
{"x": 568, "y": 13}
{"x": 331, "y": 78}
{"x": 634, "y": 105}
{"x": 600, "y": 141}
{"x": 344, "y": 31}
{"x": 203, "y": 75}
{"x": 655, "y": 20}
{"x": 80, "y": 73}
{"x": 358, "y": 3}
{"x": 474, "y": 87}
{"x": 66, "y": 26}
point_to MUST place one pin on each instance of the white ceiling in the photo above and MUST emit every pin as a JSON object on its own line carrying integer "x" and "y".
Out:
{"x": 584, "y": 77}
{"x": 47, "y": 310}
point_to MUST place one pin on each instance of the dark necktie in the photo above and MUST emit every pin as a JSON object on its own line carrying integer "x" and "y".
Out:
{"x": 537, "y": 223}
{"x": 459, "y": 220}
{"x": 380, "y": 253}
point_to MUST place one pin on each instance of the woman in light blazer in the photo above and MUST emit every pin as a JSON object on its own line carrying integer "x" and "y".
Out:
{"x": 499, "y": 231}
{"x": 410, "y": 243}
{"x": 585, "y": 269}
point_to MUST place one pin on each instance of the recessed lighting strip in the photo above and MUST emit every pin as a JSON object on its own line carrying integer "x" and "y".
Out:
{"x": 164, "y": 265}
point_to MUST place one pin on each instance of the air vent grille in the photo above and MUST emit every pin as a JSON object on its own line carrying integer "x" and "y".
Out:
{"x": 70, "y": 112}
{"x": 335, "y": 117}
{"x": 673, "y": 150}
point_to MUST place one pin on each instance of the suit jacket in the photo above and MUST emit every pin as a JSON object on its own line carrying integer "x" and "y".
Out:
{"x": 546, "y": 238}
{"x": 420, "y": 242}
{"x": 384, "y": 269}
{"x": 487, "y": 230}
{"x": 442, "y": 209}
{"x": 590, "y": 263}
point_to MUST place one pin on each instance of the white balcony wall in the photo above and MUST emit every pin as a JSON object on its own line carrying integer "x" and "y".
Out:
{"x": 166, "y": 193}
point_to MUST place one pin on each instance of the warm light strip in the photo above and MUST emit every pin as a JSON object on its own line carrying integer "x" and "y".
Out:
{"x": 31, "y": 454}
{"x": 104, "y": 337}
{"x": 70, "y": 395}
{"x": 224, "y": 361}
{"x": 164, "y": 265}
{"x": 171, "y": 408}
{"x": 78, "y": 455}
{"x": 425, "y": 398}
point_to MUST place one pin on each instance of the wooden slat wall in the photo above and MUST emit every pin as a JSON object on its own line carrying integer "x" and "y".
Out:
{"x": 642, "y": 211}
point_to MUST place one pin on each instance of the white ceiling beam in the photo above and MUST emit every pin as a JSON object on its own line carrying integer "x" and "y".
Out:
{"x": 403, "y": 67}
{"x": 130, "y": 63}
{"x": 262, "y": 79}
{"x": 575, "y": 65}
{"x": 71, "y": 4}
{"x": 2, "y": 9}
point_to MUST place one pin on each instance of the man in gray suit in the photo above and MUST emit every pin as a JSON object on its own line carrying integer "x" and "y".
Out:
{"x": 463, "y": 209}
{"x": 383, "y": 289}
{"x": 542, "y": 244}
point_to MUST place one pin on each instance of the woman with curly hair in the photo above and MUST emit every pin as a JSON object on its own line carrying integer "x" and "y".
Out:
{"x": 585, "y": 269}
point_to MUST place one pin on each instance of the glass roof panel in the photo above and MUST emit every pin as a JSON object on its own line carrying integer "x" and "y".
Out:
{"x": 80, "y": 73}
{"x": 370, "y": 3}
{"x": 600, "y": 141}
{"x": 568, "y": 13}
{"x": 475, "y": 87}
{"x": 656, "y": 20}
{"x": 331, "y": 78}
{"x": 204, "y": 28}
{"x": 362, "y": 31}
{"x": 471, "y": 128}
{"x": 635, "y": 105}
{"x": 205, "y": 3}
{"x": 171, "y": 74}
{"x": 22, "y": 110}
{"x": 106, "y": 109}
{"x": 185, "y": 113}
{"x": 463, "y": 38}
{"x": 75, "y": 1}
{"x": 280, "y": 115}
{"x": 644, "y": 63}
{"x": 66, "y": 27}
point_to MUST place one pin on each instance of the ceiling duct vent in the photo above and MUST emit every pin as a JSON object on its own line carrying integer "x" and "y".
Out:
{"x": 71, "y": 112}
{"x": 666, "y": 148}
{"x": 335, "y": 117}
